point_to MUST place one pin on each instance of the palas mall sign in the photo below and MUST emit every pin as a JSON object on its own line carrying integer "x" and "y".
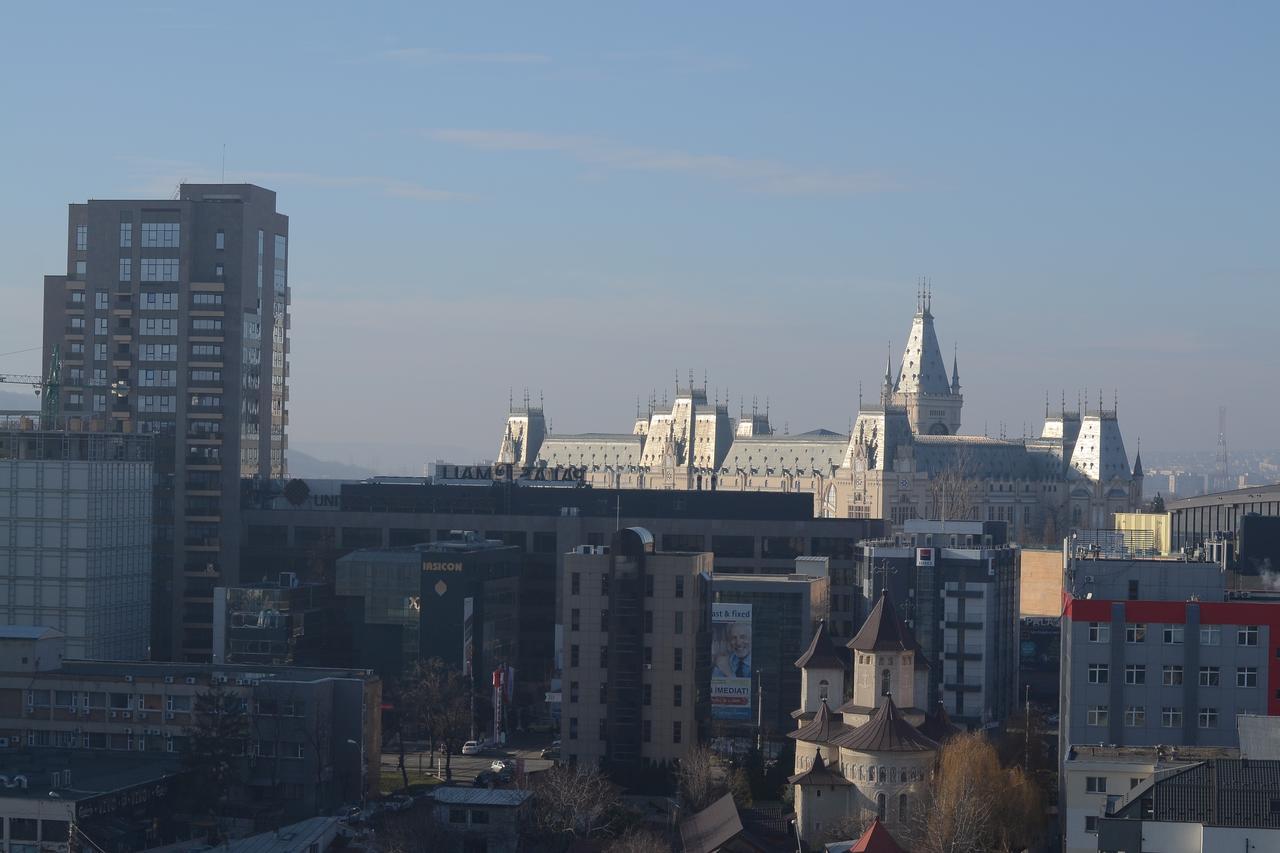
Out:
{"x": 507, "y": 473}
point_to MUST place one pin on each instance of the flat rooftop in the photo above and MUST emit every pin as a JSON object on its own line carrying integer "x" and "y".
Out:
{"x": 92, "y": 774}
{"x": 145, "y": 669}
{"x": 1119, "y": 754}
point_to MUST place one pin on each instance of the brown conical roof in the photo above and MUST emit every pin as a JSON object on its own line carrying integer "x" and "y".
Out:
{"x": 937, "y": 724}
{"x": 886, "y": 731}
{"x": 819, "y": 774}
{"x": 822, "y": 652}
{"x": 884, "y": 630}
{"x": 823, "y": 728}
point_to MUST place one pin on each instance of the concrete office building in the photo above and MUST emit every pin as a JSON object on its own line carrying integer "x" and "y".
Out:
{"x": 958, "y": 582}
{"x": 1094, "y": 777}
{"x": 279, "y": 624}
{"x": 637, "y": 652}
{"x": 1164, "y": 651}
{"x": 315, "y": 739}
{"x": 75, "y": 537}
{"x": 475, "y": 603}
{"x": 172, "y": 320}
{"x": 785, "y": 611}
{"x": 750, "y": 533}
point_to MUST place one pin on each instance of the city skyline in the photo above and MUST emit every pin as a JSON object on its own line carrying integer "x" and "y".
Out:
{"x": 564, "y": 189}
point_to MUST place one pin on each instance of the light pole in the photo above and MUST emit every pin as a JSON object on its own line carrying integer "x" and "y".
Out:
{"x": 363, "y": 769}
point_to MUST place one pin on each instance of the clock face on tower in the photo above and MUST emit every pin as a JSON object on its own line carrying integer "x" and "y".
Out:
{"x": 904, "y": 483}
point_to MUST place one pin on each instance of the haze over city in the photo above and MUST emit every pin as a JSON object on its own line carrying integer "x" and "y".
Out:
{"x": 493, "y": 198}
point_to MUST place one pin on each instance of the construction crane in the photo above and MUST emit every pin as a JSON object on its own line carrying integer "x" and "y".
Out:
{"x": 46, "y": 388}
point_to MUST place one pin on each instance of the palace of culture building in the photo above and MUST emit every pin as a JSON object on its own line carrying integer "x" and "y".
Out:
{"x": 905, "y": 457}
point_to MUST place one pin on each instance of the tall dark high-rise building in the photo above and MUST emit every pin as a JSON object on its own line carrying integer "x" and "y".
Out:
{"x": 173, "y": 319}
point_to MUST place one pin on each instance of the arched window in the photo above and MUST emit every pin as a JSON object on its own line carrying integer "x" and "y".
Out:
{"x": 823, "y": 688}
{"x": 902, "y": 808}
{"x": 880, "y": 801}
{"x": 884, "y": 682}
{"x": 884, "y": 774}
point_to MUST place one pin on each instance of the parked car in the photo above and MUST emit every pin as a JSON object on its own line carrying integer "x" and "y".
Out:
{"x": 551, "y": 752}
{"x": 398, "y": 803}
{"x": 500, "y": 765}
{"x": 473, "y": 747}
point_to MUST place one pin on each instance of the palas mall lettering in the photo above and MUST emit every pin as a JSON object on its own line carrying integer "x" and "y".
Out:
{"x": 442, "y": 567}
{"x": 509, "y": 473}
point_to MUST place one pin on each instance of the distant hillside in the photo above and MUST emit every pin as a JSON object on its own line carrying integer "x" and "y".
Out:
{"x": 305, "y": 465}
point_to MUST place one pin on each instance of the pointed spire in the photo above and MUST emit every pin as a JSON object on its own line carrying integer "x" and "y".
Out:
{"x": 884, "y": 630}
{"x": 1137, "y": 462}
{"x": 822, "y": 652}
{"x": 819, "y": 773}
{"x": 955, "y": 369}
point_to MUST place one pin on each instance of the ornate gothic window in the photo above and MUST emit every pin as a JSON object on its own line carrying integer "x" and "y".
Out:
{"x": 884, "y": 682}
{"x": 823, "y": 688}
{"x": 880, "y": 801}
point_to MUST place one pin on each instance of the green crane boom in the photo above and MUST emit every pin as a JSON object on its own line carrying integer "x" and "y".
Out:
{"x": 47, "y": 387}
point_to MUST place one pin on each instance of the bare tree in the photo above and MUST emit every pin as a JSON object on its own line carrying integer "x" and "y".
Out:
{"x": 639, "y": 840}
{"x": 973, "y": 805}
{"x": 573, "y": 803}
{"x": 217, "y": 740}
{"x": 851, "y": 826}
{"x": 954, "y": 491}
{"x": 700, "y": 779}
{"x": 435, "y": 703}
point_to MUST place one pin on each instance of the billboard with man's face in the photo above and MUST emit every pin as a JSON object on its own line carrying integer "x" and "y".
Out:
{"x": 731, "y": 661}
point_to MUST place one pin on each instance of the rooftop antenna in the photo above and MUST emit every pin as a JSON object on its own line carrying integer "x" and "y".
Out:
{"x": 1046, "y": 403}
{"x": 224, "y": 162}
{"x": 511, "y": 399}
{"x": 540, "y": 398}
{"x": 859, "y": 397}
{"x": 1064, "y": 401}
{"x": 1115, "y": 402}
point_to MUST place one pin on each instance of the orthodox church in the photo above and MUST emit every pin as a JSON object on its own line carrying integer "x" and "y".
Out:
{"x": 902, "y": 459}
{"x": 872, "y": 755}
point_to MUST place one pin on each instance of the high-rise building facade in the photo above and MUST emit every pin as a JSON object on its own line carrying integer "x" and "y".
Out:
{"x": 75, "y": 537}
{"x": 637, "y": 652}
{"x": 172, "y": 320}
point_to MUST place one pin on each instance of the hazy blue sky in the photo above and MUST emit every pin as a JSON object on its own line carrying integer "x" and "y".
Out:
{"x": 584, "y": 199}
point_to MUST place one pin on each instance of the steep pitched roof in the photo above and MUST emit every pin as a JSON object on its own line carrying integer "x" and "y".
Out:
{"x": 823, "y": 728}
{"x": 887, "y": 731}
{"x": 711, "y": 828}
{"x": 822, "y": 652}
{"x": 937, "y": 725}
{"x": 876, "y": 839}
{"x": 922, "y": 370}
{"x": 884, "y": 630}
{"x": 819, "y": 774}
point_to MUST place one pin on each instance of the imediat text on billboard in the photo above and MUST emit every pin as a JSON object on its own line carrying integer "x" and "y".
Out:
{"x": 731, "y": 661}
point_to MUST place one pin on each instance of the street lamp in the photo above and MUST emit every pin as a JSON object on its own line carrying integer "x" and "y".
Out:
{"x": 363, "y": 769}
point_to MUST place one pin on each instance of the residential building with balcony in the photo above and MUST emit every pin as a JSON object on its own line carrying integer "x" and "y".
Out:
{"x": 172, "y": 320}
